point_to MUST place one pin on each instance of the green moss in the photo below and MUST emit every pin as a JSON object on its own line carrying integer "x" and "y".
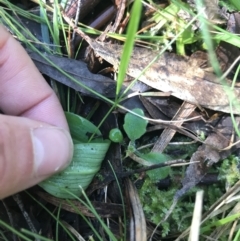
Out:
{"x": 156, "y": 204}
{"x": 229, "y": 170}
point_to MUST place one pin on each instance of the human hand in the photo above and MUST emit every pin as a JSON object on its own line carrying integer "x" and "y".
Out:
{"x": 34, "y": 137}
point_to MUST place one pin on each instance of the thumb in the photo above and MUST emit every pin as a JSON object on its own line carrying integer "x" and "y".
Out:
{"x": 30, "y": 151}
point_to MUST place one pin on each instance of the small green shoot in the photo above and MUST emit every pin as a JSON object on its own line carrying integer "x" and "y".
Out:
{"x": 115, "y": 135}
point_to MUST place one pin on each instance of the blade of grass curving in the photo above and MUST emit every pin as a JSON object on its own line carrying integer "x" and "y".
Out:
{"x": 57, "y": 223}
{"x": 128, "y": 46}
{"x": 237, "y": 236}
{"x": 84, "y": 218}
{"x": 78, "y": 212}
{"x": 227, "y": 37}
{"x": 55, "y": 37}
{"x": 208, "y": 39}
{"x": 18, "y": 29}
{"x": 89, "y": 205}
{"x": 220, "y": 222}
{"x": 58, "y": 23}
{"x": 21, "y": 11}
{"x": 44, "y": 27}
{"x": 220, "y": 34}
{"x": 105, "y": 227}
{"x": 3, "y": 236}
{"x": 53, "y": 27}
{"x": 52, "y": 215}
{"x": 5, "y": 225}
{"x": 91, "y": 208}
{"x": 62, "y": 27}
{"x": 45, "y": 17}
{"x": 235, "y": 124}
{"x": 55, "y": 23}
{"x": 102, "y": 121}
{"x": 34, "y": 235}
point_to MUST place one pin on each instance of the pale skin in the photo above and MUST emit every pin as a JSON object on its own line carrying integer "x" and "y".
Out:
{"x": 34, "y": 138}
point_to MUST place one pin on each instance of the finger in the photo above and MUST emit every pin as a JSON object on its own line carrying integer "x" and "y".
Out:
{"x": 24, "y": 92}
{"x": 30, "y": 151}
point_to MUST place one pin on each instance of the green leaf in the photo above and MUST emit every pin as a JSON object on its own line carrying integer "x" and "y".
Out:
{"x": 157, "y": 158}
{"x": 80, "y": 128}
{"x": 86, "y": 162}
{"x": 135, "y": 126}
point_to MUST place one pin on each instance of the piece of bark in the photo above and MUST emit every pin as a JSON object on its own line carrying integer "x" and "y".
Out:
{"x": 182, "y": 76}
{"x": 175, "y": 74}
{"x": 207, "y": 154}
{"x": 121, "y": 5}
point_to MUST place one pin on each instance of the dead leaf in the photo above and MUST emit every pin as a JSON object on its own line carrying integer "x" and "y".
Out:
{"x": 207, "y": 154}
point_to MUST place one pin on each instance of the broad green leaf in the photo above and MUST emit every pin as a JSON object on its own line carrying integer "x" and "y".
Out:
{"x": 86, "y": 162}
{"x": 135, "y": 126}
{"x": 156, "y": 158}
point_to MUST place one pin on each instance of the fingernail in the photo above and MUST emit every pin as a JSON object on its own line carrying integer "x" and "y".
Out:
{"x": 53, "y": 149}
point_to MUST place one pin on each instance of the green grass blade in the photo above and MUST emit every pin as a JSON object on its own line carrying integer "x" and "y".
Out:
{"x": 4, "y": 238}
{"x": 237, "y": 237}
{"x": 52, "y": 215}
{"x": 128, "y": 46}
{"x": 34, "y": 235}
{"x": 235, "y": 3}
{"x": 104, "y": 226}
{"x": 220, "y": 222}
{"x": 208, "y": 39}
{"x": 56, "y": 31}
{"x": 57, "y": 223}
{"x": 11, "y": 229}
